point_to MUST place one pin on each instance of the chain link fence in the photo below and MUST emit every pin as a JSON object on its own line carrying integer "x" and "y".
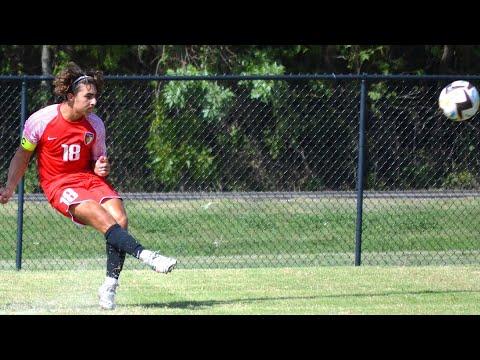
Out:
{"x": 262, "y": 171}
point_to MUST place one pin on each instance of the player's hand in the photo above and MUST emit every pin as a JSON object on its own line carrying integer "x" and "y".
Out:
{"x": 102, "y": 166}
{"x": 5, "y": 195}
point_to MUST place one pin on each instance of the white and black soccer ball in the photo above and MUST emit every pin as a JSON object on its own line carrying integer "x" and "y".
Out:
{"x": 459, "y": 100}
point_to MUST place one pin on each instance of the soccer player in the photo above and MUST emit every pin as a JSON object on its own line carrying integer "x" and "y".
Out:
{"x": 72, "y": 164}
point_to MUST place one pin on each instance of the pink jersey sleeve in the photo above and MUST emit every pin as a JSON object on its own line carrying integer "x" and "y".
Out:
{"x": 99, "y": 147}
{"x": 38, "y": 121}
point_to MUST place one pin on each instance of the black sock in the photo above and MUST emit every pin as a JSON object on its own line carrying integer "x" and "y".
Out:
{"x": 122, "y": 240}
{"x": 115, "y": 260}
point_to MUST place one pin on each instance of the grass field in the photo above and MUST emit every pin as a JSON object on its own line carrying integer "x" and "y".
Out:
{"x": 260, "y": 257}
{"x": 239, "y": 232}
{"x": 251, "y": 291}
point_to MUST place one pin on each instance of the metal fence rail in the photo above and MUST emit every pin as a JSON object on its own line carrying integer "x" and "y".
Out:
{"x": 236, "y": 171}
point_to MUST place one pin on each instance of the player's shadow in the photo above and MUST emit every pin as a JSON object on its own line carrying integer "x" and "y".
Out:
{"x": 197, "y": 305}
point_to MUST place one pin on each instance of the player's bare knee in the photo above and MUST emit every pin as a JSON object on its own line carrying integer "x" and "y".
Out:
{"x": 122, "y": 220}
{"x": 93, "y": 214}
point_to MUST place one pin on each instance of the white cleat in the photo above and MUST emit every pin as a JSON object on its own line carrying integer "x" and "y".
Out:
{"x": 159, "y": 263}
{"x": 106, "y": 296}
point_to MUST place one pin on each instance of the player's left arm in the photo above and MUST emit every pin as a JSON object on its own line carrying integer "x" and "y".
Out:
{"x": 100, "y": 163}
{"x": 102, "y": 166}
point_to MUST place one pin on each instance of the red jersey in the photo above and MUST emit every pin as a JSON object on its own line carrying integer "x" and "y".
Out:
{"x": 63, "y": 147}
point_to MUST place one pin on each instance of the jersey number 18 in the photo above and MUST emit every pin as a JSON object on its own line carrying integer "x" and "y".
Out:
{"x": 71, "y": 152}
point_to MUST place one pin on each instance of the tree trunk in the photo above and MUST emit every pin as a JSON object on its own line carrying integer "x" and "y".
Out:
{"x": 329, "y": 58}
{"x": 446, "y": 60}
{"x": 46, "y": 63}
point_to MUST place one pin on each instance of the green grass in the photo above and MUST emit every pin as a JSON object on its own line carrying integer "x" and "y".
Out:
{"x": 209, "y": 233}
{"x": 250, "y": 291}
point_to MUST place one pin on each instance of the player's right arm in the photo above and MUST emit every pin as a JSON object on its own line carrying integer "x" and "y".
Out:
{"x": 18, "y": 166}
{"x": 32, "y": 132}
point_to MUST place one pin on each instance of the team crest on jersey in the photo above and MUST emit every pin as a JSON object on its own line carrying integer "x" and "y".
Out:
{"x": 88, "y": 137}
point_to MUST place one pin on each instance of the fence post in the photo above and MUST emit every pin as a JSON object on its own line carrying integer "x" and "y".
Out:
{"x": 21, "y": 185}
{"x": 360, "y": 172}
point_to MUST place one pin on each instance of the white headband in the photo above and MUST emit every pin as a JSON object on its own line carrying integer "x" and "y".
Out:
{"x": 74, "y": 84}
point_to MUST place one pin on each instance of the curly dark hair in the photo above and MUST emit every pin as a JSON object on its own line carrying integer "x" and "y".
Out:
{"x": 66, "y": 78}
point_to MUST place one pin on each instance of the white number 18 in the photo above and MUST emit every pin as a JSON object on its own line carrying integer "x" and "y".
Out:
{"x": 71, "y": 152}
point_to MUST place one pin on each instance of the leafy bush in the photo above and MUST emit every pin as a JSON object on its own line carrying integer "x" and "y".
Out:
{"x": 460, "y": 180}
{"x": 187, "y": 118}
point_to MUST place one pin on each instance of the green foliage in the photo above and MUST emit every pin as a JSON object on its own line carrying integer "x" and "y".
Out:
{"x": 197, "y": 140}
{"x": 358, "y": 58}
{"x": 380, "y": 95}
{"x": 157, "y": 59}
{"x": 61, "y": 60}
{"x": 321, "y": 88}
{"x": 177, "y": 155}
{"x": 178, "y": 144}
{"x": 374, "y": 182}
{"x": 417, "y": 176}
{"x": 217, "y": 101}
{"x": 108, "y": 58}
{"x": 460, "y": 180}
{"x": 209, "y": 101}
{"x": 260, "y": 64}
{"x": 377, "y": 90}
{"x": 196, "y": 129}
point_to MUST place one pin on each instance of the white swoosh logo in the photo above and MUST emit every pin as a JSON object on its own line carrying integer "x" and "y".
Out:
{"x": 51, "y": 138}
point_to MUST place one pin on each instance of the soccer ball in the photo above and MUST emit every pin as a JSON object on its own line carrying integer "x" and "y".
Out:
{"x": 459, "y": 100}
